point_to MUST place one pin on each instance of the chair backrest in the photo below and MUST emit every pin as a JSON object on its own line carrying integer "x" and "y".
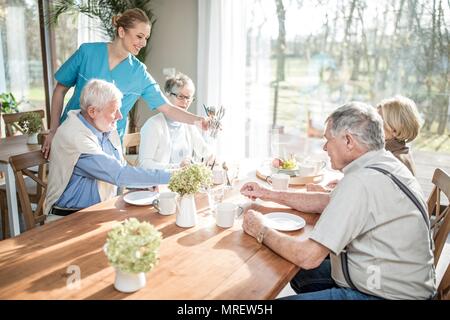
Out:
{"x": 11, "y": 121}
{"x": 443, "y": 291}
{"x": 440, "y": 225}
{"x": 20, "y": 165}
{"x": 131, "y": 140}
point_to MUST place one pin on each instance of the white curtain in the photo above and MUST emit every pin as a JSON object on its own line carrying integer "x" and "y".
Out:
{"x": 2, "y": 68}
{"x": 221, "y": 70}
{"x": 17, "y": 51}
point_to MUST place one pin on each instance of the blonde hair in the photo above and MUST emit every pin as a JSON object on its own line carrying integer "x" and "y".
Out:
{"x": 400, "y": 117}
{"x": 129, "y": 18}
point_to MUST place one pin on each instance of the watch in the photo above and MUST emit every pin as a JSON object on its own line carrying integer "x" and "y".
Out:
{"x": 261, "y": 234}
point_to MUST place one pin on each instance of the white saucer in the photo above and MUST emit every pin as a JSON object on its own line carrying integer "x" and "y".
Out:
{"x": 140, "y": 198}
{"x": 284, "y": 221}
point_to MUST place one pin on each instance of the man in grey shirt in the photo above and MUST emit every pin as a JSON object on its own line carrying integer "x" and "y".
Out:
{"x": 366, "y": 218}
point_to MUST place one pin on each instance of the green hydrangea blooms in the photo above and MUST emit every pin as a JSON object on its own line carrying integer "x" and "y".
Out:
{"x": 190, "y": 179}
{"x": 133, "y": 246}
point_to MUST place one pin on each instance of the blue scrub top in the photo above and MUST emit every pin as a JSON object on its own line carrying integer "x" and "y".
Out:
{"x": 130, "y": 76}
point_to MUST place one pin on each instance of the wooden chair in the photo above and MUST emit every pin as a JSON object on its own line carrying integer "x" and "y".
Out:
{"x": 131, "y": 140}
{"x": 20, "y": 165}
{"x": 11, "y": 121}
{"x": 440, "y": 224}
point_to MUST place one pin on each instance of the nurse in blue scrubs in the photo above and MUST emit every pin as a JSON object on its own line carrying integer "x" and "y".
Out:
{"x": 114, "y": 62}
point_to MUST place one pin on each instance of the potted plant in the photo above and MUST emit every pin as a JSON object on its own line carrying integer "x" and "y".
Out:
{"x": 132, "y": 249}
{"x": 8, "y": 103}
{"x": 31, "y": 124}
{"x": 187, "y": 182}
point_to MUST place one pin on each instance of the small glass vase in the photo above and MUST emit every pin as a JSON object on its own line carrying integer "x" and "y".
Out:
{"x": 187, "y": 212}
{"x": 129, "y": 282}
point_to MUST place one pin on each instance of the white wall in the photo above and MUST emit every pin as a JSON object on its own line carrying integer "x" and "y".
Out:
{"x": 173, "y": 44}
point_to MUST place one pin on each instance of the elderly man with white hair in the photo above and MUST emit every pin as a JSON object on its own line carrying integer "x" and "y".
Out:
{"x": 86, "y": 162}
{"x": 373, "y": 226}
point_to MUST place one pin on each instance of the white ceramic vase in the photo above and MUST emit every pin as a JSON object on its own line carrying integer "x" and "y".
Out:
{"x": 32, "y": 138}
{"x": 129, "y": 282}
{"x": 187, "y": 212}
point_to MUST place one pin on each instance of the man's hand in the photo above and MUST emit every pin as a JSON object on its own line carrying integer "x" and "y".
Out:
{"x": 252, "y": 223}
{"x": 332, "y": 184}
{"x": 311, "y": 187}
{"x": 254, "y": 191}
{"x": 186, "y": 162}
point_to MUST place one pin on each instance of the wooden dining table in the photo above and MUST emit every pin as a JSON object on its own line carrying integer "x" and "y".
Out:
{"x": 64, "y": 259}
{"x": 11, "y": 146}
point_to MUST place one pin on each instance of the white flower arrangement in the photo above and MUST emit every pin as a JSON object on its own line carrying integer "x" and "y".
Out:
{"x": 190, "y": 179}
{"x": 133, "y": 246}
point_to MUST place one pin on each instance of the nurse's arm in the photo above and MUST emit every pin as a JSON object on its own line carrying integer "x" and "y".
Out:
{"x": 56, "y": 109}
{"x": 57, "y": 105}
{"x": 180, "y": 115}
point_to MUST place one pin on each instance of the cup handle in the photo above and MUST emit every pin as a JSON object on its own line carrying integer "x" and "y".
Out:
{"x": 241, "y": 211}
{"x": 155, "y": 204}
{"x": 323, "y": 165}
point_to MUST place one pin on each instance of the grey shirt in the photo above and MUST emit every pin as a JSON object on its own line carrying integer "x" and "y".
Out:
{"x": 387, "y": 239}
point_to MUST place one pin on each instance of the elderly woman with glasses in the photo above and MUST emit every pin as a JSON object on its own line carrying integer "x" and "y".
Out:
{"x": 167, "y": 144}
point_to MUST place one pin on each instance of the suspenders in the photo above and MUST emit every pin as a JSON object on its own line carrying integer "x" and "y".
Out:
{"x": 410, "y": 195}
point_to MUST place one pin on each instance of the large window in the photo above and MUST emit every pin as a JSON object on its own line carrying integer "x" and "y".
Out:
{"x": 21, "y": 69}
{"x": 324, "y": 53}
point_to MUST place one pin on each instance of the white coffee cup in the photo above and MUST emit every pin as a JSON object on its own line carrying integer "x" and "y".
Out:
{"x": 226, "y": 212}
{"x": 280, "y": 181}
{"x": 217, "y": 175}
{"x": 311, "y": 167}
{"x": 166, "y": 204}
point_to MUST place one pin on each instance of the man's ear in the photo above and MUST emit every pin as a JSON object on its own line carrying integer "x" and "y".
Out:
{"x": 350, "y": 141}
{"x": 91, "y": 111}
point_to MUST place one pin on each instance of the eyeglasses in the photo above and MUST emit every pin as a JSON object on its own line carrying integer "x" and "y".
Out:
{"x": 182, "y": 97}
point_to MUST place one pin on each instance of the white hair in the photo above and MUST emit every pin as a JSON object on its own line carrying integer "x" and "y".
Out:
{"x": 98, "y": 93}
{"x": 362, "y": 121}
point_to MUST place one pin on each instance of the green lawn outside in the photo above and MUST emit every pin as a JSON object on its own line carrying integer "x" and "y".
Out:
{"x": 303, "y": 92}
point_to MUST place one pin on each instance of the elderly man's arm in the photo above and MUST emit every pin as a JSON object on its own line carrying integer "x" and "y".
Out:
{"x": 107, "y": 168}
{"x": 301, "y": 201}
{"x": 305, "y": 253}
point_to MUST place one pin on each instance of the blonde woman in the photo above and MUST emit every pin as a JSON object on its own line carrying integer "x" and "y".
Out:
{"x": 401, "y": 122}
{"x": 401, "y": 126}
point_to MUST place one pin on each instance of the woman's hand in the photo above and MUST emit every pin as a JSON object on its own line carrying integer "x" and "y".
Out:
{"x": 205, "y": 123}
{"x": 47, "y": 144}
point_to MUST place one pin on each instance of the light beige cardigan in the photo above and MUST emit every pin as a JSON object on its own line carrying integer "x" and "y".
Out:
{"x": 155, "y": 147}
{"x": 71, "y": 140}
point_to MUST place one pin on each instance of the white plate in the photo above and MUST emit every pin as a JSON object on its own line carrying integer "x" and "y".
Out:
{"x": 291, "y": 172}
{"x": 284, "y": 221}
{"x": 140, "y": 198}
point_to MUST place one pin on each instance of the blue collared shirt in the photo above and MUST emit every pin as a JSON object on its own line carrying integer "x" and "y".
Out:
{"x": 82, "y": 189}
